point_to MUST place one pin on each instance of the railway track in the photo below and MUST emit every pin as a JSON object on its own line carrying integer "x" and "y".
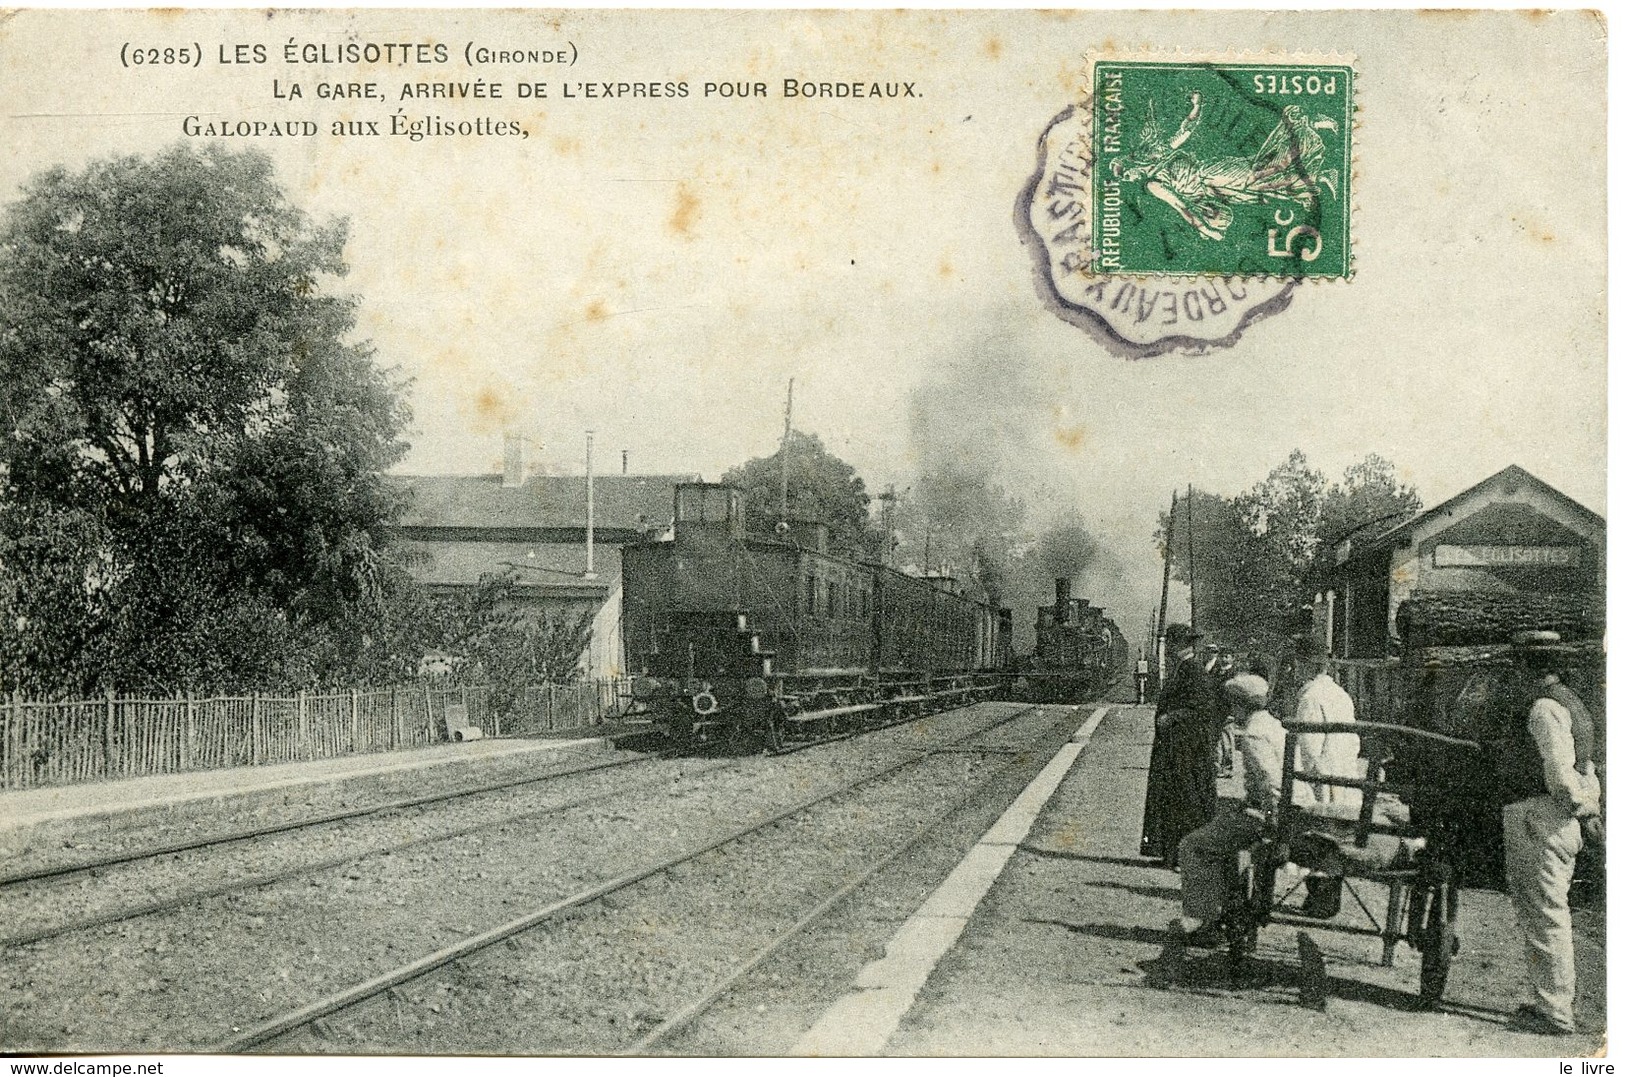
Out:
{"x": 269, "y": 1031}
{"x": 157, "y": 907}
{"x": 706, "y": 1000}
{"x": 78, "y": 867}
{"x": 253, "y": 882}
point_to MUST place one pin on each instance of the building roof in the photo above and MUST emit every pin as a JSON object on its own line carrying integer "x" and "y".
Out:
{"x": 543, "y": 501}
{"x": 1513, "y": 475}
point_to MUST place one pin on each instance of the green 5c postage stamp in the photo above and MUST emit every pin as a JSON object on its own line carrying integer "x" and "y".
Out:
{"x": 1222, "y": 169}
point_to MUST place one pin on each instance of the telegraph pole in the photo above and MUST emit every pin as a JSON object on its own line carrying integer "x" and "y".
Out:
{"x": 784, "y": 457}
{"x": 1162, "y": 610}
{"x": 1190, "y": 544}
{"x": 888, "y": 520}
{"x": 589, "y": 574}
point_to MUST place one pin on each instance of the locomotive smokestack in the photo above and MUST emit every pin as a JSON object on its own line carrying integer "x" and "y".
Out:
{"x": 1063, "y": 600}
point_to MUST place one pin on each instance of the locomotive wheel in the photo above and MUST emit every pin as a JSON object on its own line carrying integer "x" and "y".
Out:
{"x": 1439, "y": 941}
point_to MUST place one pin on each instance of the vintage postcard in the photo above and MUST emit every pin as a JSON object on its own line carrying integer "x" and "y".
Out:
{"x": 802, "y": 533}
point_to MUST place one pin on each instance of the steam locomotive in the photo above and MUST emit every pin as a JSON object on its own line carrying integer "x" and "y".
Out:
{"x": 1080, "y": 651}
{"x": 772, "y": 639}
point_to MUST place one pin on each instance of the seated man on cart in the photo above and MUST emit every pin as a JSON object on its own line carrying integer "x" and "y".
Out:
{"x": 1212, "y": 883}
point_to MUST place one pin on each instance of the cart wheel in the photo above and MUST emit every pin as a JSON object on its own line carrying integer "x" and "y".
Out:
{"x": 1439, "y": 942}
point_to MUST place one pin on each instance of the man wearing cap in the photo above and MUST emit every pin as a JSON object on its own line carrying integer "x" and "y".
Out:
{"x": 1552, "y": 801}
{"x": 1180, "y": 794}
{"x": 1209, "y": 856}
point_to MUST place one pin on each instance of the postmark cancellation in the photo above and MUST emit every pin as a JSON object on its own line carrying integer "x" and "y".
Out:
{"x": 1181, "y": 198}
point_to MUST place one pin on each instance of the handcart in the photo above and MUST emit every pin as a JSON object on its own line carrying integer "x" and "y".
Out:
{"x": 1403, "y": 836}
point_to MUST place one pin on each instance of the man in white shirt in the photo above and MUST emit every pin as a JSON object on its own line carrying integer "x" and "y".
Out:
{"x": 1332, "y": 755}
{"x": 1552, "y": 796}
{"x": 1209, "y": 857}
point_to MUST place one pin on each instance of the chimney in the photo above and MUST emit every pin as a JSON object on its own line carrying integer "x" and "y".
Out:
{"x": 623, "y": 461}
{"x": 513, "y": 461}
{"x": 1063, "y": 600}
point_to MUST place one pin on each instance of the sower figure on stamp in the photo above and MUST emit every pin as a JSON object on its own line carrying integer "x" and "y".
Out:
{"x": 1210, "y": 856}
{"x": 1180, "y": 794}
{"x": 1287, "y": 167}
{"x": 1552, "y": 802}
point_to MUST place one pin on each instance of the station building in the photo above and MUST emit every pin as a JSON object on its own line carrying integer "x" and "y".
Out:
{"x": 1509, "y": 553}
{"x": 458, "y": 529}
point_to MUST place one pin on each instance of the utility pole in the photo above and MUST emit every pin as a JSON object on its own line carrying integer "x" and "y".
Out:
{"x": 784, "y": 457}
{"x": 589, "y": 574}
{"x": 1162, "y": 610}
{"x": 1190, "y": 544}
{"x": 888, "y": 521}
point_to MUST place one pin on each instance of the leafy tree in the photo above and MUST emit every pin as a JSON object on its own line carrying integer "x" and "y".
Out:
{"x": 1226, "y": 552}
{"x": 1259, "y": 554}
{"x": 960, "y": 520}
{"x": 1370, "y": 491}
{"x": 1283, "y": 512}
{"x": 494, "y": 639}
{"x": 821, "y": 487}
{"x": 192, "y": 443}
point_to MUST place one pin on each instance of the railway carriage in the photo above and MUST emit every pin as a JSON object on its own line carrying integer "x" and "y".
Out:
{"x": 774, "y": 638}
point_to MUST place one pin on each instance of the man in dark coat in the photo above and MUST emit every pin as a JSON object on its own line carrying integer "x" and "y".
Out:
{"x": 1180, "y": 794}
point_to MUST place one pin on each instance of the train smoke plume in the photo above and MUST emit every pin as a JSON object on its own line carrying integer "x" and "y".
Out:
{"x": 997, "y": 497}
{"x": 1067, "y": 550}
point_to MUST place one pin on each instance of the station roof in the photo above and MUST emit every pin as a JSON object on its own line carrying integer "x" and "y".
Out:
{"x": 1388, "y": 533}
{"x": 542, "y": 501}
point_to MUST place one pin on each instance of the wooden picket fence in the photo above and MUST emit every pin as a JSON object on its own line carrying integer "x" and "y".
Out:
{"x": 57, "y": 743}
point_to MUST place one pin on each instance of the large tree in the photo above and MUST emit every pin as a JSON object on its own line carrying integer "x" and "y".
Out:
{"x": 1370, "y": 491}
{"x": 958, "y": 519}
{"x": 821, "y": 487}
{"x": 192, "y": 440}
{"x": 1259, "y": 554}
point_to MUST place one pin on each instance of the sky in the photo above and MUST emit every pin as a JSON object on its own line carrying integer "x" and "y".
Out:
{"x": 657, "y": 270}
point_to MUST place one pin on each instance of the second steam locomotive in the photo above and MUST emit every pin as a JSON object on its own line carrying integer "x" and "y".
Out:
{"x": 1080, "y": 650}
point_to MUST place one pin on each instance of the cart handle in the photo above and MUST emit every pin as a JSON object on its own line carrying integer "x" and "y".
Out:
{"x": 1293, "y": 726}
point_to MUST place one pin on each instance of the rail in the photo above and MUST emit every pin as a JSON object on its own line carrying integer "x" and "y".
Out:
{"x": 275, "y": 1027}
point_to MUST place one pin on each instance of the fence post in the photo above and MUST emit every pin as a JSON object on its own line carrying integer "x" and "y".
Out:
{"x": 394, "y": 719}
{"x": 107, "y": 737}
{"x": 302, "y": 713}
{"x": 428, "y": 710}
{"x": 355, "y": 721}
{"x": 15, "y": 779}
{"x": 189, "y": 732}
{"x": 254, "y": 730}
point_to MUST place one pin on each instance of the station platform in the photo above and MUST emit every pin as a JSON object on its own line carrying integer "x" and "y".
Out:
{"x": 89, "y": 815}
{"x": 1058, "y": 953}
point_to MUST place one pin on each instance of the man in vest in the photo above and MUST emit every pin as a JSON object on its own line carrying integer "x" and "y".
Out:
{"x": 1551, "y": 797}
